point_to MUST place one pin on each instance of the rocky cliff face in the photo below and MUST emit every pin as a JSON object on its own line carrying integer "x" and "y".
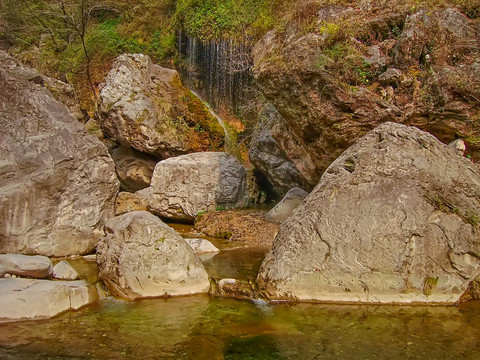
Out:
{"x": 335, "y": 72}
{"x": 57, "y": 183}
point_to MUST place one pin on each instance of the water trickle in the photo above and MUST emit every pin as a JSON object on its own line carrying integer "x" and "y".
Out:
{"x": 218, "y": 70}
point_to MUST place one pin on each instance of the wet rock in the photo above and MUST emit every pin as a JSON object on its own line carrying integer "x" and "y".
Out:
{"x": 127, "y": 202}
{"x": 292, "y": 199}
{"x": 394, "y": 219}
{"x": 238, "y": 289}
{"x": 201, "y": 246}
{"x": 243, "y": 227}
{"x": 145, "y": 106}
{"x": 57, "y": 183}
{"x": 142, "y": 257}
{"x": 64, "y": 271}
{"x": 24, "y": 265}
{"x": 186, "y": 185}
{"x": 133, "y": 168}
{"x": 22, "y": 299}
{"x": 267, "y": 156}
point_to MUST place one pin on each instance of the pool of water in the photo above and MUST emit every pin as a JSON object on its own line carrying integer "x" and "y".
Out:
{"x": 202, "y": 327}
{"x": 206, "y": 327}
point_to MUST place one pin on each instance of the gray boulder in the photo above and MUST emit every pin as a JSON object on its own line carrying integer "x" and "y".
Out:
{"x": 268, "y": 157}
{"x": 134, "y": 169}
{"x": 142, "y": 257}
{"x": 57, "y": 183}
{"x": 393, "y": 220}
{"x": 145, "y": 106}
{"x": 292, "y": 199}
{"x": 36, "y": 266}
{"x": 22, "y": 299}
{"x": 183, "y": 186}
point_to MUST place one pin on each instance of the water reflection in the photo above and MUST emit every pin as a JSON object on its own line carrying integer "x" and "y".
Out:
{"x": 201, "y": 327}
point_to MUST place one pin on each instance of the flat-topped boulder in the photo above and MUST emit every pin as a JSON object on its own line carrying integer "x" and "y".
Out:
{"x": 22, "y": 299}
{"x": 36, "y": 266}
{"x": 142, "y": 257}
{"x": 393, "y": 220}
{"x": 186, "y": 185}
{"x": 57, "y": 182}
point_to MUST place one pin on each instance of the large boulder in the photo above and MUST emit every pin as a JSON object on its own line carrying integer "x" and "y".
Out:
{"x": 142, "y": 257}
{"x": 134, "y": 169}
{"x": 36, "y": 266}
{"x": 186, "y": 185}
{"x": 145, "y": 106}
{"x": 57, "y": 183}
{"x": 394, "y": 219}
{"x": 22, "y": 299}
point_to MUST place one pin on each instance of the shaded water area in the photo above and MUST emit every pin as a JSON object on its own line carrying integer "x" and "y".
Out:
{"x": 202, "y": 327}
{"x": 207, "y": 327}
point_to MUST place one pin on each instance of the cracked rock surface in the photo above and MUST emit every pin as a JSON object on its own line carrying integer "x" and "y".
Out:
{"x": 142, "y": 257}
{"x": 57, "y": 183}
{"x": 393, "y": 220}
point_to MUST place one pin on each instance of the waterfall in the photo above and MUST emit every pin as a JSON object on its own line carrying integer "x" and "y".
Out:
{"x": 218, "y": 70}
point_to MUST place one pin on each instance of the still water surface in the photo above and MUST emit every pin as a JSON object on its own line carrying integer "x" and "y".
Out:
{"x": 204, "y": 327}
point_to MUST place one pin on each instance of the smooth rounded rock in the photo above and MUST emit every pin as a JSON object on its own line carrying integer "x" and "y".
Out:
{"x": 64, "y": 271}
{"x": 201, "y": 246}
{"x": 184, "y": 186}
{"x": 142, "y": 257}
{"x": 292, "y": 199}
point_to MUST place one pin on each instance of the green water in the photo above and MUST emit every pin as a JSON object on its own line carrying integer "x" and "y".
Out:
{"x": 201, "y": 327}
{"x": 205, "y": 327}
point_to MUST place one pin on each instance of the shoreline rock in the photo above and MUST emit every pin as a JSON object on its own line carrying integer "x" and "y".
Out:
{"x": 393, "y": 220}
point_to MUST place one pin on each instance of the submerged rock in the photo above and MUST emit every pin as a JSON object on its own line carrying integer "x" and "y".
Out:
{"x": 393, "y": 219}
{"x": 145, "y": 106}
{"x": 292, "y": 199}
{"x": 24, "y": 265}
{"x": 133, "y": 168}
{"x": 57, "y": 183}
{"x": 142, "y": 257}
{"x": 241, "y": 226}
{"x": 186, "y": 185}
{"x": 64, "y": 271}
{"x": 30, "y": 299}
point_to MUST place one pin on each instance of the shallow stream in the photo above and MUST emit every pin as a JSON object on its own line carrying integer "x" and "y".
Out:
{"x": 205, "y": 327}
